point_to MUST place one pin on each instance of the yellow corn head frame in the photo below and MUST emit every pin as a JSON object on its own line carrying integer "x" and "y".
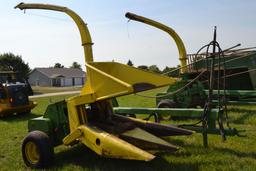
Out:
{"x": 106, "y": 80}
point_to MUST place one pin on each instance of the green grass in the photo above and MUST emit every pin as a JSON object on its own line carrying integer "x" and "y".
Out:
{"x": 237, "y": 153}
{"x": 43, "y": 90}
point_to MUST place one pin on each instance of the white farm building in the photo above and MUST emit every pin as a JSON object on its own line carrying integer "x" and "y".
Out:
{"x": 56, "y": 77}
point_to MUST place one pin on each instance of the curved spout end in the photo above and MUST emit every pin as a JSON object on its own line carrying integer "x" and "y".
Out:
{"x": 129, "y": 15}
{"x": 19, "y": 6}
{"x": 170, "y": 31}
{"x": 133, "y": 16}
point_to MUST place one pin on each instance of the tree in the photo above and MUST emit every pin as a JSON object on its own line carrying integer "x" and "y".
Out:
{"x": 76, "y": 65}
{"x": 143, "y": 67}
{"x": 58, "y": 65}
{"x": 11, "y": 62}
{"x": 171, "y": 71}
{"x": 129, "y": 63}
{"x": 154, "y": 68}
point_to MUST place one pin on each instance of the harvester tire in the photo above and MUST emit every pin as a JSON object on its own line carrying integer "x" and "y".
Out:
{"x": 37, "y": 150}
{"x": 166, "y": 103}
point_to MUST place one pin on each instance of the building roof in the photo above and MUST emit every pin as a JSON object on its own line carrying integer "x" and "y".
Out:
{"x": 61, "y": 72}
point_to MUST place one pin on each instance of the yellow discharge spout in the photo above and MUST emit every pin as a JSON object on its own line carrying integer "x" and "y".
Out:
{"x": 105, "y": 80}
{"x": 170, "y": 31}
{"x": 84, "y": 32}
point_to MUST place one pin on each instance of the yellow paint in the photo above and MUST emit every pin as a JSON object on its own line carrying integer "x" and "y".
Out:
{"x": 84, "y": 32}
{"x": 105, "y": 80}
{"x": 6, "y": 108}
{"x": 110, "y": 79}
{"x": 72, "y": 137}
{"x": 171, "y": 32}
{"x": 108, "y": 145}
{"x": 32, "y": 153}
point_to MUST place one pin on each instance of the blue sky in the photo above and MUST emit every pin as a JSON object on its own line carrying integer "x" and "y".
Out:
{"x": 46, "y": 37}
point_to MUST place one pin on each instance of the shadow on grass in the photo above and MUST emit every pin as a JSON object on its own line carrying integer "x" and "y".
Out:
{"x": 249, "y": 154}
{"x": 242, "y": 110}
{"x": 243, "y": 118}
{"x": 87, "y": 159}
{"x": 19, "y": 117}
{"x": 197, "y": 149}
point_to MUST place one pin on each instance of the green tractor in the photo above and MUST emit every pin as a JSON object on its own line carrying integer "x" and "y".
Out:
{"x": 192, "y": 96}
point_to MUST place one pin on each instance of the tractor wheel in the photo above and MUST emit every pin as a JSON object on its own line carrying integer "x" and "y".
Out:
{"x": 166, "y": 103}
{"x": 37, "y": 150}
{"x": 196, "y": 101}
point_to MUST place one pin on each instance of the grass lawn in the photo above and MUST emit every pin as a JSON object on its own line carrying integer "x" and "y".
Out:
{"x": 43, "y": 90}
{"x": 237, "y": 153}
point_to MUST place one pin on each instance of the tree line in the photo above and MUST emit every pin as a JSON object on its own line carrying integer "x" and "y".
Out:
{"x": 170, "y": 71}
{"x": 74, "y": 65}
{"x": 11, "y": 62}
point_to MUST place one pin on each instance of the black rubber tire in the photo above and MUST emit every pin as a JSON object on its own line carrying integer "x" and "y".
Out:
{"x": 166, "y": 103}
{"x": 44, "y": 146}
{"x": 197, "y": 101}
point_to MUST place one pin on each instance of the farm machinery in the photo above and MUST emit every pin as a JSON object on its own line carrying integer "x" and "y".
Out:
{"x": 237, "y": 73}
{"x": 89, "y": 118}
{"x": 188, "y": 97}
{"x": 230, "y": 69}
{"x": 13, "y": 95}
{"x": 233, "y": 71}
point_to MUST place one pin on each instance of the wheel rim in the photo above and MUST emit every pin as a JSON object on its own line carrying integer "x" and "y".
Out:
{"x": 32, "y": 152}
{"x": 163, "y": 116}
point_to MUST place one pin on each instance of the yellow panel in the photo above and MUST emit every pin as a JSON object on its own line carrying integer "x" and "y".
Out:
{"x": 110, "y": 79}
{"x": 72, "y": 137}
{"x": 108, "y": 145}
{"x": 7, "y": 109}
